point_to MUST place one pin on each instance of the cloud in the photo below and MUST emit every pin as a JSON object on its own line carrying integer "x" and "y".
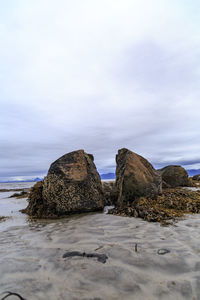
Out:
{"x": 98, "y": 75}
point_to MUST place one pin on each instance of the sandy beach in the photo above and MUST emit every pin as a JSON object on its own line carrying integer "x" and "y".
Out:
{"x": 31, "y": 259}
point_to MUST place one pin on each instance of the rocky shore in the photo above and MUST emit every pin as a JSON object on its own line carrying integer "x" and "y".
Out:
{"x": 170, "y": 206}
{"x": 73, "y": 185}
{"x": 22, "y": 194}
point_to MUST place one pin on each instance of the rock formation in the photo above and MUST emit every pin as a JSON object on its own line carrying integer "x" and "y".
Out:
{"x": 135, "y": 177}
{"x": 110, "y": 192}
{"x": 196, "y": 177}
{"x": 174, "y": 176}
{"x": 72, "y": 185}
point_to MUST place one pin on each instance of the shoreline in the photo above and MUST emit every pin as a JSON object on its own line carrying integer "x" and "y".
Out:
{"x": 32, "y": 263}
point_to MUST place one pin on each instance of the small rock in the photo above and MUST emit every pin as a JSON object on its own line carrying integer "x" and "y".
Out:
{"x": 163, "y": 251}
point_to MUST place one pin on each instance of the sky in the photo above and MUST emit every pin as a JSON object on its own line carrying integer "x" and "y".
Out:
{"x": 98, "y": 75}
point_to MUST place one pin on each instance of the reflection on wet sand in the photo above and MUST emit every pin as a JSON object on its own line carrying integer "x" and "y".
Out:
{"x": 32, "y": 263}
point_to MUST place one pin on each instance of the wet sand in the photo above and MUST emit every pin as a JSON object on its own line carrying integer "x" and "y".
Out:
{"x": 31, "y": 260}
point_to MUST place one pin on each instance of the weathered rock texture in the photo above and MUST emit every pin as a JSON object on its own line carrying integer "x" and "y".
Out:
{"x": 72, "y": 185}
{"x": 110, "y": 192}
{"x": 135, "y": 177}
{"x": 174, "y": 176}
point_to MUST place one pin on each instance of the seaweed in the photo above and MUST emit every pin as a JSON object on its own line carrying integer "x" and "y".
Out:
{"x": 100, "y": 257}
{"x": 12, "y": 294}
{"x": 171, "y": 205}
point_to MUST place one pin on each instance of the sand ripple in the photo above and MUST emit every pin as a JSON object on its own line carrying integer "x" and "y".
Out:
{"x": 31, "y": 260}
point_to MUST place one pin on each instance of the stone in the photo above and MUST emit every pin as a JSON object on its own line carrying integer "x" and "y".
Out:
{"x": 174, "y": 176}
{"x": 110, "y": 192}
{"x": 135, "y": 177}
{"x": 72, "y": 185}
{"x": 163, "y": 251}
{"x": 196, "y": 177}
{"x": 20, "y": 195}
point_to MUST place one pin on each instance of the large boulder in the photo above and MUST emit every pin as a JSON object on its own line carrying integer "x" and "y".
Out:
{"x": 174, "y": 176}
{"x": 135, "y": 177}
{"x": 72, "y": 185}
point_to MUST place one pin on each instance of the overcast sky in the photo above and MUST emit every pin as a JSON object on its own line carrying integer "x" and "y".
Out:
{"x": 98, "y": 75}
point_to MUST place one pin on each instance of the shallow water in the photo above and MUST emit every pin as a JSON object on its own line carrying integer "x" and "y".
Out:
{"x": 31, "y": 260}
{"x": 16, "y": 185}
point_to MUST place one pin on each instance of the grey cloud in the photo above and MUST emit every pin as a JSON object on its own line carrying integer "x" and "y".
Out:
{"x": 157, "y": 68}
{"x": 98, "y": 85}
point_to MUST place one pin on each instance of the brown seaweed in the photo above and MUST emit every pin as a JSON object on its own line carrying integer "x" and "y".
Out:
{"x": 100, "y": 257}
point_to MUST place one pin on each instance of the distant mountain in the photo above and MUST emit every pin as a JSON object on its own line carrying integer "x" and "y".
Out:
{"x": 105, "y": 176}
{"x": 108, "y": 176}
{"x": 29, "y": 180}
{"x": 193, "y": 172}
{"x": 37, "y": 179}
{"x": 112, "y": 175}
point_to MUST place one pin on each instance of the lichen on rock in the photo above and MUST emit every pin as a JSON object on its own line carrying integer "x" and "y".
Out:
{"x": 72, "y": 185}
